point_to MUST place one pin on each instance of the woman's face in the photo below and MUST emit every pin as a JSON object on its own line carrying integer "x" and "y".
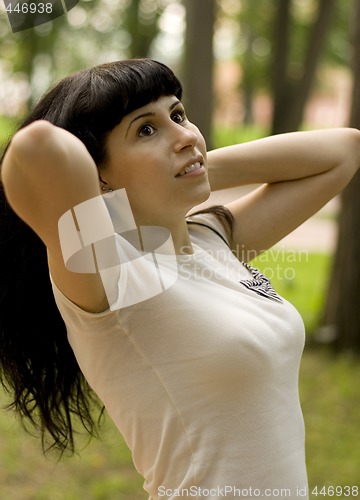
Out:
{"x": 159, "y": 157}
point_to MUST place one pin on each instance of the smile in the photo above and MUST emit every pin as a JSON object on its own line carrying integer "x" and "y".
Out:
{"x": 190, "y": 168}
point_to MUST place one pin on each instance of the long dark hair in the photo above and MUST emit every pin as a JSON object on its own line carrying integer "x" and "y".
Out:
{"x": 38, "y": 369}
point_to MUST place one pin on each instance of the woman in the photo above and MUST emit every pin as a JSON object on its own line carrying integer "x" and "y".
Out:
{"x": 193, "y": 354}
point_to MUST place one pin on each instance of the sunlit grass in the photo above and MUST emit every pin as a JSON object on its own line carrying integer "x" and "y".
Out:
{"x": 330, "y": 396}
{"x": 103, "y": 470}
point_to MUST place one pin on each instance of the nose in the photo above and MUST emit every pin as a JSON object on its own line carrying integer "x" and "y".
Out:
{"x": 184, "y": 138}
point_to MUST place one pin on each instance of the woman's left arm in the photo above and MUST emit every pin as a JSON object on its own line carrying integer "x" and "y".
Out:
{"x": 299, "y": 172}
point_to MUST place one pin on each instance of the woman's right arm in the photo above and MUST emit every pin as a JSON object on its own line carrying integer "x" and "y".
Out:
{"x": 46, "y": 172}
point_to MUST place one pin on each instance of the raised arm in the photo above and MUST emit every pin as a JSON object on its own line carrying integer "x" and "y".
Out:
{"x": 46, "y": 172}
{"x": 300, "y": 173}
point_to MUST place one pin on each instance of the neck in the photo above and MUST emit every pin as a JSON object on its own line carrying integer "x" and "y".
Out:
{"x": 178, "y": 229}
{"x": 181, "y": 239}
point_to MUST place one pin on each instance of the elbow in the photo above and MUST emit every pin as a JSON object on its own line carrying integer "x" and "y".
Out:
{"x": 24, "y": 150}
{"x": 25, "y": 141}
{"x": 31, "y": 139}
{"x": 36, "y": 147}
{"x": 347, "y": 154}
{"x": 350, "y": 158}
{"x": 352, "y": 149}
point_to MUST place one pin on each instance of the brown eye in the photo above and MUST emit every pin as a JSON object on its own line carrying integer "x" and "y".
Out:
{"x": 178, "y": 116}
{"x": 146, "y": 130}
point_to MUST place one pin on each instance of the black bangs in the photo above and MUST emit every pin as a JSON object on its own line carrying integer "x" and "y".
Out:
{"x": 131, "y": 84}
{"x": 91, "y": 102}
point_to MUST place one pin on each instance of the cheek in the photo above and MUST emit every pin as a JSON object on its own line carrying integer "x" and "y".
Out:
{"x": 202, "y": 142}
{"x": 140, "y": 177}
{"x": 123, "y": 170}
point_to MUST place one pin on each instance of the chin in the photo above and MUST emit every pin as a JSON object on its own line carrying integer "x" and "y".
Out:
{"x": 206, "y": 196}
{"x": 201, "y": 198}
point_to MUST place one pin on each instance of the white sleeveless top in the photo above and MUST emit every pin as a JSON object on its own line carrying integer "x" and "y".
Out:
{"x": 201, "y": 379}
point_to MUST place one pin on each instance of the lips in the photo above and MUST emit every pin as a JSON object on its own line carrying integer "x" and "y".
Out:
{"x": 190, "y": 168}
{"x": 194, "y": 164}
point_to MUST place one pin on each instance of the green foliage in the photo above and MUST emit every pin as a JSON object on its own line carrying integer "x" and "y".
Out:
{"x": 94, "y": 31}
{"x": 7, "y": 126}
{"x": 141, "y": 20}
{"x": 224, "y": 136}
{"x": 338, "y": 50}
{"x": 253, "y": 38}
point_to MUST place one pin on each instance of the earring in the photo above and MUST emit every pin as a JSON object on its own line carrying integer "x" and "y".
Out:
{"x": 108, "y": 190}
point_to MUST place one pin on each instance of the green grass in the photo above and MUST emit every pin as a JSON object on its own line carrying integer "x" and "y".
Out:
{"x": 103, "y": 470}
{"x": 330, "y": 397}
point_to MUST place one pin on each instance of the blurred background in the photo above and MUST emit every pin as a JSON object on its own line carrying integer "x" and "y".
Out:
{"x": 250, "y": 68}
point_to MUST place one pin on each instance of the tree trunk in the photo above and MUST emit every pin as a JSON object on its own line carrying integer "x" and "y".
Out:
{"x": 316, "y": 43}
{"x": 342, "y": 309}
{"x": 247, "y": 83}
{"x": 198, "y": 64}
{"x": 291, "y": 96}
{"x": 142, "y": 34}
{"x": 279, "y": 68}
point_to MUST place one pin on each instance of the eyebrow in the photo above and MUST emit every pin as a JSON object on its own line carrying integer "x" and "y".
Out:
{"x": 143, "y": 115}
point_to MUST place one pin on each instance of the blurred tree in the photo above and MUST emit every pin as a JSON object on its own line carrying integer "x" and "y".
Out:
{"x": 94, "y": 31}
{"x": 280, "y": 50}
{"x": 292, "y": 89}
{"x": 280, "y": 66}
{"x": 199, "y": 63}
{"x": 245, "y": 37}
{"x": 31, "y": 45}
{"x": 254, "y": 49}
{"x": 342, "y": 309}
{"x": 47, "y": 52}
{"x": 141, "y": 21}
